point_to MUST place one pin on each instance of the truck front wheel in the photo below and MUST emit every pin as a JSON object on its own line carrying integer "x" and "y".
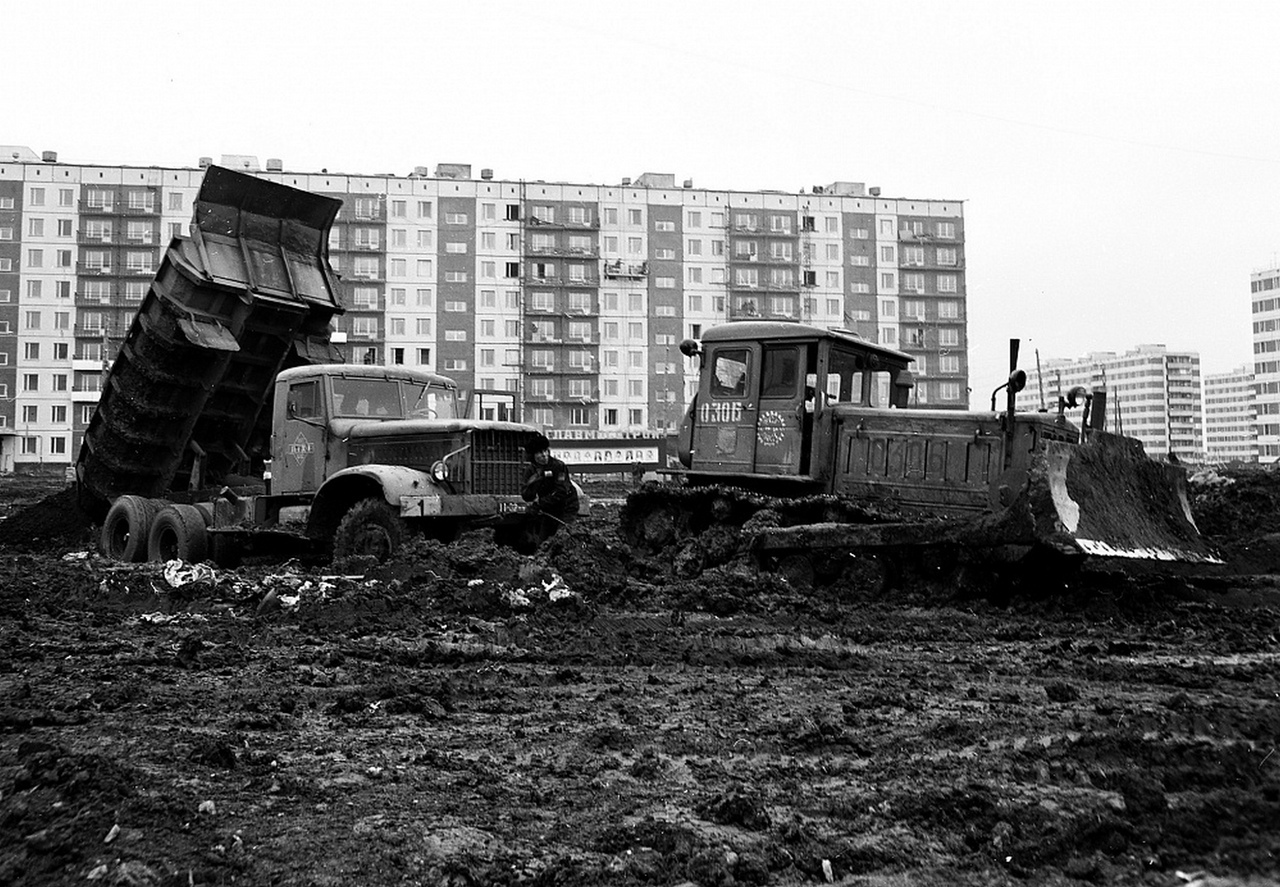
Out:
{"x": 370, "y": 528}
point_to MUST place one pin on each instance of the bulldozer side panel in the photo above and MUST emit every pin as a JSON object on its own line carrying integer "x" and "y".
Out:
{"x": 921, "y": 461}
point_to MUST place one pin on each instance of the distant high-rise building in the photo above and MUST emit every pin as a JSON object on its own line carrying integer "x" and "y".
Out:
{"x": 1153, "y": 394}
{"x": 561, "y": 303}
{"x": 1230, "y": 417}
{"x": 1265, "y": 286}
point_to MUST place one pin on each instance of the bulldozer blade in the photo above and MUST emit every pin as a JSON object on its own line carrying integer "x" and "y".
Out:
{"x": 1106, "y": 498}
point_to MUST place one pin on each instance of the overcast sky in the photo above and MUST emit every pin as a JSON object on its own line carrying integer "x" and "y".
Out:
{"x": 1119, "y": 161}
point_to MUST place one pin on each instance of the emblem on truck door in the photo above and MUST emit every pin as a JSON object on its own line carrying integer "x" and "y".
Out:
{"x": 772, "y": 428}
{"x": 301, "y": 448}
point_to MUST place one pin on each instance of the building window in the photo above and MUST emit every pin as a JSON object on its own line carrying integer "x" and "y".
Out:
{"x": 424, "y": 355}
{"x": 947, "y": 230}
{"x": 946, "y": 283}
{"x": 424, "y": 326}
{"x": 948, "y": 390}
{"x": 946, "y": 255}
{"x": 948, "y": 309}
{"x": 425, "y": 299}
{"x": 948, "y": 336}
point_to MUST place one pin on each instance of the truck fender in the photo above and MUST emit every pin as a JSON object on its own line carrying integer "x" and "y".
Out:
{"x": 344, "y": 488}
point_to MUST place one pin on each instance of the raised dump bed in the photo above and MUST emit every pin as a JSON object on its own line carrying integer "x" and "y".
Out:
{"x": 247, "y": 294}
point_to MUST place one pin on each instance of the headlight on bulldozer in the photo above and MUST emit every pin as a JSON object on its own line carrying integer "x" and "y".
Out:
{"x": 440, "y": 471}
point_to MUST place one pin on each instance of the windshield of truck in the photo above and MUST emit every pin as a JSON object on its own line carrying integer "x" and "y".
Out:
{"x": 367, "y": 398}
{"x": 430, "y": 401}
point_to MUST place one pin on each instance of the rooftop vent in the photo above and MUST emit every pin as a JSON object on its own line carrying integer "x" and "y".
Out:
{"x": 626, "y": 180}
{"x": 688, "y": 183}
{"x": 486, "y": 174}
{"x": 874, "y": 192}
{"x": 422, "y": 172}
{"x": 49, "y": 156}
{"x": 275, "y": 164}
{"x": 206, "y": 162}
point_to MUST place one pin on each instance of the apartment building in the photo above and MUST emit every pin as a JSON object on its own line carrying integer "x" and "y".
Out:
{"x": 1153, "y": 394}
{"x": 1265, "y": 288}
{"x": 1230, "y": 417}
{"x": 563, "y": 304}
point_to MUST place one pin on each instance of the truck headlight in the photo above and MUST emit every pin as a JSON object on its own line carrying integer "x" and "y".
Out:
{"x": 440, "y": 471}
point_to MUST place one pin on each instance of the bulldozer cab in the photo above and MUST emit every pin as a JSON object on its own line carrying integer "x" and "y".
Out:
{"x": 765, "y": 387}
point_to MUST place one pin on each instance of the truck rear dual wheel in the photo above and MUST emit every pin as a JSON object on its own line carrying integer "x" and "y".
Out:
{"x": 178, "y": 532}
{"x": 127, "y": 526}
{"x": 370, "y": 528}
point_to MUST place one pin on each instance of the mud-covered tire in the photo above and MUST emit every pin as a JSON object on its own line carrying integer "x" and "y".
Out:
{"x": 370, "y": 528}
{"x": 126, "y": 528}
{"x": 178, "y": 532}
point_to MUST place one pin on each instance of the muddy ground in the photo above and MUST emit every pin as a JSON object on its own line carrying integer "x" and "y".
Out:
{"x": 589, "y": 715}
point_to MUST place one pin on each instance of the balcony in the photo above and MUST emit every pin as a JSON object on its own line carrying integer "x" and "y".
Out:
{"x": 87, "y": 236}
{"x": 87, "y": 364}
{"x": 98, "y": 207}
{"x": 620, "y": 270}
{"x": 85, "y": 395}
{"x": 139, "y": 209}
{"x": 581, "y": 281}
{"x": 83, "y": 268}
{"x": 585, "y": 225}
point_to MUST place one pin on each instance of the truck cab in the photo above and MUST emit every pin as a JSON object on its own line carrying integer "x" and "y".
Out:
{"x": 345, "y": 433}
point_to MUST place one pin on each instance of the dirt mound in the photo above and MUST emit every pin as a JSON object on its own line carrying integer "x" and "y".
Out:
{"x": 1237, "y": 510}
{"x": 53, "y": 523}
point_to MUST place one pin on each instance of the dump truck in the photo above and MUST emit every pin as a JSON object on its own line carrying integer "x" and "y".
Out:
{"x": 807, "y": 440}
{"x": 228, "y": 426}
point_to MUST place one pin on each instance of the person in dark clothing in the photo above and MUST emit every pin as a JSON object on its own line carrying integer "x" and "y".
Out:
{"x": 552, "y": 497}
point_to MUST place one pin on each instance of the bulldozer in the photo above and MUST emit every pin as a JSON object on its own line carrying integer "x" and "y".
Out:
{"x": 805, "y": 440}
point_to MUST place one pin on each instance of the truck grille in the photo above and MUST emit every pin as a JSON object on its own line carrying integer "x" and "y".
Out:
{"x": 498, "y": 462}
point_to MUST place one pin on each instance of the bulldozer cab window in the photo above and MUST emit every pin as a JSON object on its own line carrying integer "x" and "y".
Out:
{"x": 729, "y": 372}
{"x": 845, "y": 376}
{"x": 880, "y": 389}
{"x": 371, "y": 398}
{"x": 304, "y": 400}
{"x": 781, "y": 371}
